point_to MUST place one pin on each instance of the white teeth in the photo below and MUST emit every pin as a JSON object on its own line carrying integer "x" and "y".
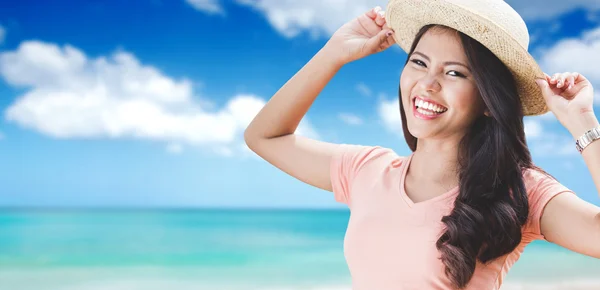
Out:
{"x": 425, "y": 112}
{"x": 429, "y": 106}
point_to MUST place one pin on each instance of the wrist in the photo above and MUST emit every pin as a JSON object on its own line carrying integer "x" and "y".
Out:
{"x": 583, "y": 124}
{"x": 332, "y": 55}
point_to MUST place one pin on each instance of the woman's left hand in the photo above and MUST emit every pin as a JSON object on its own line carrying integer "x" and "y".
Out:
{"x": 570, "y": 96}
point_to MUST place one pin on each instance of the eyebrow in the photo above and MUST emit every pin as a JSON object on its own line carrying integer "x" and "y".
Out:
{"x": 445, "y": 63}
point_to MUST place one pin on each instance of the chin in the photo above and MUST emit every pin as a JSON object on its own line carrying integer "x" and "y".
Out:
{"x": 418, "y": 131}
{"x": 419, "y": 134}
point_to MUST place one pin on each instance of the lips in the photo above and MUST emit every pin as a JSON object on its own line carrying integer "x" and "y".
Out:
{"x": 418, "y": 98}
{"x": 428, "y": 109}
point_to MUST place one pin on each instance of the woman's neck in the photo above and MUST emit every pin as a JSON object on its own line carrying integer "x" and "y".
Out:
{"x": 435, "y": 162}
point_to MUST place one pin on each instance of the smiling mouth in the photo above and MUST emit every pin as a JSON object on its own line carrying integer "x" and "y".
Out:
{"x": 428, "y": 108}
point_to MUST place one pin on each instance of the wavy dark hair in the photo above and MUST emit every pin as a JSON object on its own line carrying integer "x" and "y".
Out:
{"x": 492, "y": 206}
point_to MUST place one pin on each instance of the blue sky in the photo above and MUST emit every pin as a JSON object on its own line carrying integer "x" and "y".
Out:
{"x": 144, "y": 103}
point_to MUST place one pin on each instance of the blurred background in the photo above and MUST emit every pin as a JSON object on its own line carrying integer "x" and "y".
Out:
{"x": 122, "y": 159}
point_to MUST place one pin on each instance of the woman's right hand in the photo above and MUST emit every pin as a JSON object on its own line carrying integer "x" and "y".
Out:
{"x": 365, "y": 35}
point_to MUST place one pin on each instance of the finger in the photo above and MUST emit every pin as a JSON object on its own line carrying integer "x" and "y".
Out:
{"x": 548, "y": 78}
{"x": 379, "y": 42}
{"x": 372, "y": 13}
{"x": 385, "y": 26}
{"x": 561, "y": 81}
{"x": 545, "y": 87}
{"x": 577, "y": 78}
{"x": 569, "y": 81}
{"x": 380, "y": 20}
{"x": 579, "y": 81}
{"x": 554, "y": 78}
{"x": 391, "y": 40}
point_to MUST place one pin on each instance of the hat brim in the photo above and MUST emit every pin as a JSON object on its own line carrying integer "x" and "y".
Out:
{"x": 407, "y": 17}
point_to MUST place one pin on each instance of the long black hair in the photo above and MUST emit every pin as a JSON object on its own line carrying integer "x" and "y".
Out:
{"x": 492, "y": 206}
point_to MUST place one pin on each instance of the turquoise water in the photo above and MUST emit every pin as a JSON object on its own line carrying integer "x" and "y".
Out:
{"x": 210, "y": 249}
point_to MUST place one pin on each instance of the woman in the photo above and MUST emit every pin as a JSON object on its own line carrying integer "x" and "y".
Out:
{"x": 458, "y": 212}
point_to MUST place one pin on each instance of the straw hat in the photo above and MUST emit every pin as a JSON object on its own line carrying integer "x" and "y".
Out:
{"x": 493, "y": 23}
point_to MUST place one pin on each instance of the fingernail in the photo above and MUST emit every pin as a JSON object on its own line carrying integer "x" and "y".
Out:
{"x": 376, "y": 9}
{"x": 389, "y": 33}
{"x": 381, "y": 13}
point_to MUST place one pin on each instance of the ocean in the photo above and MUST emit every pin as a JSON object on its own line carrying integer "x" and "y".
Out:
{"x": 220, "y": 249}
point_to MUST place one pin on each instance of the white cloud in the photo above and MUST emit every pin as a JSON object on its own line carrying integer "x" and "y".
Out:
{"x": 174, "y": 148}
{"x": 2, "y": 34}
{"x": 224, "y": 151}
{"x": 548, "y": 116}
{"x": 533, "y": 128}
{"x": 553, "y": 145}
{"x": 72, "y": 96}
{"x": 389, "y": 113}
{"x": 364, "y": 90}
{"x": 575, "y": 55}
{"x": 544, "y": 142}
{"x": 350, "y": 119}
{"x": 321, "y": 18}
{"x": 207, "y": 6}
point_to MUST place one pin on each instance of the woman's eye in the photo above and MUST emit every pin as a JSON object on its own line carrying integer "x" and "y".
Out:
{"x": 458, "y": 74}
{"x": 418, "y": 62}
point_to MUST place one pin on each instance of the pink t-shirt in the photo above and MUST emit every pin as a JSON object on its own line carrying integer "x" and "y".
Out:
{"x": 390, "y": 241}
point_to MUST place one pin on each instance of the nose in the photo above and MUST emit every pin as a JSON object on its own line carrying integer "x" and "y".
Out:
{"x": 429, "y": 83}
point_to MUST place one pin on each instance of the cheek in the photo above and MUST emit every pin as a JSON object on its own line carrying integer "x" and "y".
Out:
{"x": 406, "y": 84}
{"x": 466, "y": 100}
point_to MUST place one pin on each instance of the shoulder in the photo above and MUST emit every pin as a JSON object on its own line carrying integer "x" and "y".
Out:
{"x": 541, "y": 188}
{"x": 358, "y": 156}
{"x": 532, "y": 176}
{"x": 536, "y": 181}
{"x": 352, "y": 163}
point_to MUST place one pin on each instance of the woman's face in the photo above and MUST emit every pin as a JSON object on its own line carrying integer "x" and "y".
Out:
{"x": 439, "y": 94}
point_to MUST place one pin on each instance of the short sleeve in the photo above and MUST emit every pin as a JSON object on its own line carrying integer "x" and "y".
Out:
{"x": 540, "y": 189}
{"x": 346, "y": 162}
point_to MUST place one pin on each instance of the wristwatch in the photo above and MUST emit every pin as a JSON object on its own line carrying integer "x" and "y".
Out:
{"x": 587, "y": 138}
